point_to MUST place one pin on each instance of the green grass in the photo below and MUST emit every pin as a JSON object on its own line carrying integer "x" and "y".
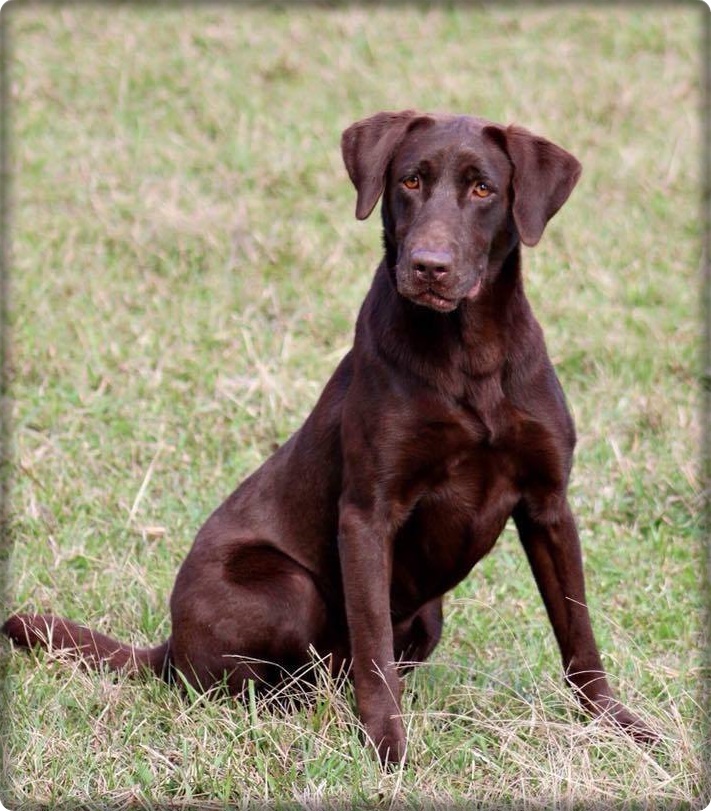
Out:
{"x": 186, "y": 271}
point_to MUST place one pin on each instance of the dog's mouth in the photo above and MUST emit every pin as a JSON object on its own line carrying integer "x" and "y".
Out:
{"x": 435, "y": 301}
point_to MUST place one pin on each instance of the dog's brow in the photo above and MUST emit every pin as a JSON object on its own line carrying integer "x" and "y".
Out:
{"x": 425, "y": 167}
{"x": 415, "y": 166}
{"x": 469, "y": 159}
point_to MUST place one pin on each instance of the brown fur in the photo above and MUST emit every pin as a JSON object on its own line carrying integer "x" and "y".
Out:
{"x": 444, "y": 420}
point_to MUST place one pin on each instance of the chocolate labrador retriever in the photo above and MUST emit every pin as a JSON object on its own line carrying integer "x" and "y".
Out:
{"x": 444, "y": 420}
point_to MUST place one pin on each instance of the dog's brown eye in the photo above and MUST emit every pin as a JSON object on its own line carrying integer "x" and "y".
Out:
{"x": 482, "y": 189}
{"x": 411, "y": 182}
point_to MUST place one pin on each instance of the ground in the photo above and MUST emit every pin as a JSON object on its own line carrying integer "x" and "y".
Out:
{"x": 186, "y": 271}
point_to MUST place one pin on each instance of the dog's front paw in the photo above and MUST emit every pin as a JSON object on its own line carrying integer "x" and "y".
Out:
{"x": 389, "y": 739}
{"x": 614, "y": 712}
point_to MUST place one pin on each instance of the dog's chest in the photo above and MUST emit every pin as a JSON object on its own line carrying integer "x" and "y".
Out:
{"x": 461, "y": 509}
{"x": 463, "y": 482}
{"x": 442, "y": 443}
{"x": 469, "y": 468}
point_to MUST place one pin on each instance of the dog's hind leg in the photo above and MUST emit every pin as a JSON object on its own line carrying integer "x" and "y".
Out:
{"x": 253, "y": 614}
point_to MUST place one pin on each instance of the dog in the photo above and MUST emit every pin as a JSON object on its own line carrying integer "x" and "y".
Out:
{"x": 444, "y": 420}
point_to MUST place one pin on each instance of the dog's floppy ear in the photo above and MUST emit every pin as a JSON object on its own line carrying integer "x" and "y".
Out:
{"x": 544, "y": 175}
{"x": 367, "y": 147}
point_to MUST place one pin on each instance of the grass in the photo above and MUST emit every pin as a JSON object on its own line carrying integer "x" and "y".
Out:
{"x": 186, "y": 271}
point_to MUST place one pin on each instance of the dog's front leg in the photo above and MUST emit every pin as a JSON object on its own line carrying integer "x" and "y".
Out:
{"x": 553, "y": 549}
{"x": 365, "y": 549}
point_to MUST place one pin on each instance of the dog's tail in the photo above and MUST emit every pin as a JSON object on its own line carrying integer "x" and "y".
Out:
{"x": 96, "y": 650}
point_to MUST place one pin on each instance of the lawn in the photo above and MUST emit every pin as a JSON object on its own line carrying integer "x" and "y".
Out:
{"x": 186, "y": 270}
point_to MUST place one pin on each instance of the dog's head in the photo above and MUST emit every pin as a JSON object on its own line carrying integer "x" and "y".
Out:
{"x": 458, "y": 195}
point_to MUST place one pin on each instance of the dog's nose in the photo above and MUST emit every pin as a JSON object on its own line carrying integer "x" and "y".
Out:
{"x": 431, "y": 265}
